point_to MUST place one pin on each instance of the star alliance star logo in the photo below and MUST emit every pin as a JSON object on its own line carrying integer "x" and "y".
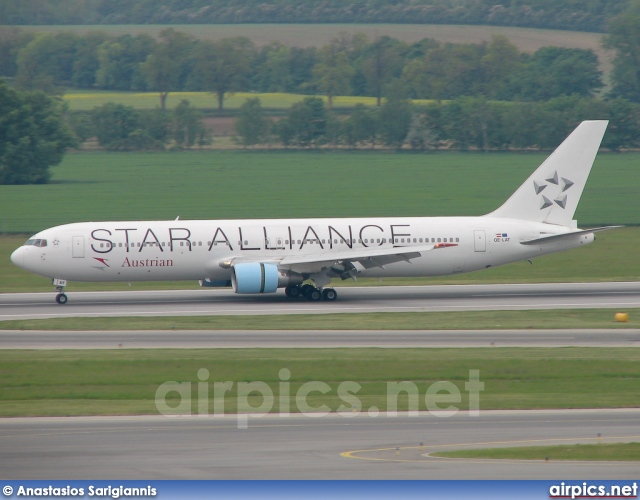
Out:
{"x": 560, "y": 199}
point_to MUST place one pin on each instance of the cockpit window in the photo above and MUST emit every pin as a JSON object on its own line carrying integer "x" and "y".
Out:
{"x": 36, "y": 243}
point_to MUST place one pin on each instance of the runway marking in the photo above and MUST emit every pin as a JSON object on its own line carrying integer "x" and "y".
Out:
{"x": 427, "y": 456}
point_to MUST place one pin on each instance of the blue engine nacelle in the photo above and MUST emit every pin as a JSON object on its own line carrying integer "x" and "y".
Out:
{"x": 254, "y": 277}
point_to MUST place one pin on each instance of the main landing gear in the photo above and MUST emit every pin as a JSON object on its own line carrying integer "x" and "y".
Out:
{"x": 61, "y": 298}
{"x": 310, "y": 293}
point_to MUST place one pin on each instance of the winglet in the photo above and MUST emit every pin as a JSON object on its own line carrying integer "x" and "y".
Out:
{"x": 551, "y": 194}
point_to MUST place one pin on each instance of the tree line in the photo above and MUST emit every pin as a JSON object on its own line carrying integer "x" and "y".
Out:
{"x": 465, "y": 123}
{"x": 348, "y": 65}
{"x": 575, "y": 15}
{"x": 117, "y": 127}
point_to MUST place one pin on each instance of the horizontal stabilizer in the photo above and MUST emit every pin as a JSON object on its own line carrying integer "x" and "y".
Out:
{"x": 556, "y": 237}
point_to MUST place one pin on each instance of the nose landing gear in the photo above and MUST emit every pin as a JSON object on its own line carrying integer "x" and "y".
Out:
{"x": 61, "y": 298}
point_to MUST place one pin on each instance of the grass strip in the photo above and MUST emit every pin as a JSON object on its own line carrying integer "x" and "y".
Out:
{"x": 468, "y": 320}
{"x": 125, "y": 381}
{"x": 239, "y": 185}
{"x": 615, "y": 452}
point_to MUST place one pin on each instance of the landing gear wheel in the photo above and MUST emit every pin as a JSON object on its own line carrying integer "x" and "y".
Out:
{"x": 61, "y": 298}
{"x": 329, "y": 294}
{"x": 293, "y": 291}
{"x": 314, "y": 295}
{"x": 305, "y": 289}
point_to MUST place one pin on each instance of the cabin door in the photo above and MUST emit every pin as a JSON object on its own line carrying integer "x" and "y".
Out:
{"x": 77, "y": 247}
{"x": 479, "y": 240}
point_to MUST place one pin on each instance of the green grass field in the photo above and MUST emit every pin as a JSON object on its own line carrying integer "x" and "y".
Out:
{"x": 115, "y": 382}
{"x": 616, "y": 452}
{"x": 79, "y": 100}
{"x": 248, "y": 184}
{"x": 468, "y": 320}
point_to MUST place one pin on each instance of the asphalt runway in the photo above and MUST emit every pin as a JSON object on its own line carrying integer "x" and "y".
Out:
{"x": 246, "y": 339}
{"x": 299, "y": 447}
{"x": 353, "y": 299}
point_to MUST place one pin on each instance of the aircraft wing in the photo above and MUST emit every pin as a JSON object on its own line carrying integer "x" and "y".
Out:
{"x": 366, "y": 257}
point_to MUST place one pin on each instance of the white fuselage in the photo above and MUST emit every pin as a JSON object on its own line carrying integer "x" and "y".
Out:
{"x": 195, "y": 249}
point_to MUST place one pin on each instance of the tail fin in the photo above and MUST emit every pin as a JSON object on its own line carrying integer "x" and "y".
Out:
{"x": 553, "y": 191}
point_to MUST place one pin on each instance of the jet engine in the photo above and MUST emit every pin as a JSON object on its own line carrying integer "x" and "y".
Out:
{"x": 254, "y": 277}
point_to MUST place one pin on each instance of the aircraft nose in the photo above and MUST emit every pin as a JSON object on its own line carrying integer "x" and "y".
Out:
{"x": 17, "y": 257}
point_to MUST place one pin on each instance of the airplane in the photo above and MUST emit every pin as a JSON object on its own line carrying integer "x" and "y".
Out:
{"x": 302, "y": 256}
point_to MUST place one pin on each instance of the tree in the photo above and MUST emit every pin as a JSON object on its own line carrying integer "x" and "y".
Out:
{"x": 302, "y": 62}
{"x": 469, "y": 120}
{"x": 120, "y": 128}
{"x": 501, "y": 60}
{"x": 624, "y": 127}
{"x": 333, "y": 71}
{"x": 445, "y": 72}
{"x": 251, "y": 124}
{"x": 119, "y": 62}
{"x": 187, "y": 125}
{"x": 305, "y": 123}
{"x": 362, "y": 126}
{"x": 624, "y": 38}
{"x": 557, "y": 71}
{"x": 420, "y": 135}
{"x": 33, "y": 136}
{"x": 273, "y": 69}
{"x": 12, "y": 40}
{"x": 382, "y": 65}
{"x": 85, "y": 61}
{"x": 395, "y": 120}
{"x": 46, "y": 63}
{"x": 164, "y": 69}
{"x": 224, "y": 65}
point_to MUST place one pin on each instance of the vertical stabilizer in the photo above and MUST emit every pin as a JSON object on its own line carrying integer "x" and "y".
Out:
{"x": 553, "y": 191}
